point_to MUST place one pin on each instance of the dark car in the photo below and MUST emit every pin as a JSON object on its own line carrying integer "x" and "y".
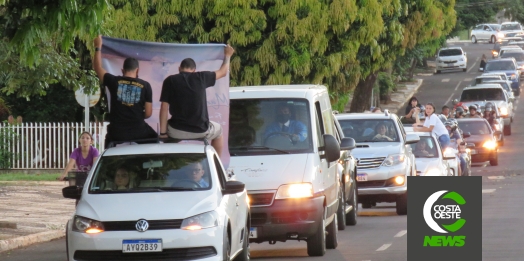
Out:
{"x": 480, "y": 139}
{"x": 508, "y": 66}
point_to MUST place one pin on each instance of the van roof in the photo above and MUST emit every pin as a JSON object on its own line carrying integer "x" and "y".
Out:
{"x": 364, "y": 115}
{"x": 156, "y": 148}
{"x": 484, "y": 86}
{"x": 276, "y": 91}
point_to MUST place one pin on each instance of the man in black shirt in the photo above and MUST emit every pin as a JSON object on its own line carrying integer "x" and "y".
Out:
{"x": 131, "y": 100}
{"x": 184, "y": 96}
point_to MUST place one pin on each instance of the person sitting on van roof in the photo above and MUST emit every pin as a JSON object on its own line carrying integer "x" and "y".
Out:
{"x": 284, "y": 124}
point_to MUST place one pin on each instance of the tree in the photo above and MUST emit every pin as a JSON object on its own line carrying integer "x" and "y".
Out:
{"x": 473, "y": 12}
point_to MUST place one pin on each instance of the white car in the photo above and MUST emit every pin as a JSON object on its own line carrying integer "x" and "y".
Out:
{"x": 508, "y": 48}
{"x": 509, "y": 29}
{"x": 451, "y": 58}
{"x": 485, "y": 32}
{"x": 384, "y": 157}
{"x": 430, "y": 159}
{"x": 158, "y": 201}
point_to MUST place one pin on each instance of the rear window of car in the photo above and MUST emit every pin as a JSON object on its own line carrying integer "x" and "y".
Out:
{"x": 500, "y": 66}
{"x": 479, "y": 127}
{"x": 483, "y": 94}
{"x": 506, "y": 27}
{"x": 450, "y": 52}
{"x": 519, "y": 56}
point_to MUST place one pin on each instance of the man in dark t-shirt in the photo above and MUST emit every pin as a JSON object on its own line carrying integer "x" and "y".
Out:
{"x": 184, "y": 96}
{"x": 130, "y": 100}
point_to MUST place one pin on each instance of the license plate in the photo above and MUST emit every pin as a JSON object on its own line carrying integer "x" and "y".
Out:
{"x": 253, "y": 232}
{"x": 362, "y": 177}
{"x": 473, "y": 152}
{"x": 142, "y": 245}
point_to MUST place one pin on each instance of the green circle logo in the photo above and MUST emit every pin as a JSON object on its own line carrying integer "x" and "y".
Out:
{"x": 444, "y": 212}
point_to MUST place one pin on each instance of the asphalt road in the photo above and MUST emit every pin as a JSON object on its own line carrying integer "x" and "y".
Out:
{"x": 380, "y": 234}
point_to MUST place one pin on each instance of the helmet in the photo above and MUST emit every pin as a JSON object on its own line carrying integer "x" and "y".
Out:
{"x": 473, "y": 107}
{"x": 459, "y": 110}
{"x": 489, "y": 106}
{"x": 452, "y": 123}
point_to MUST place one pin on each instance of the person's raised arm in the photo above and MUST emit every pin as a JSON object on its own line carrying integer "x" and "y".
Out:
{"x": 222, "y": 72}
{"x": 97, "y": 60}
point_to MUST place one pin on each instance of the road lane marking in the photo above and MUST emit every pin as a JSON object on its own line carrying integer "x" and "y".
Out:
{"x": 457, "y": 86}
{"x": 451, "y": 96}
{"x": 468, "y": 79}
{"x": 445, "y": 80}
{"x": 496, "y": 177}
{"x": 486, "y": 191}
{"x": 401, "y": 233}
{"x": 478, "y": 58}
{"x": 384, "y": 247}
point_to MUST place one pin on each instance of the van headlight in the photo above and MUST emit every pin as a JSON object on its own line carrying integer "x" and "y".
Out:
{"x": 299, "y": 190}
{"x": 394, "y": 159}
{"x": 433, "y": 172}
{"x": 87, "y": 225}
{"x": 204, "y": 220}
{"x": 503, "y": 111}
{"x": 489, "y": 145}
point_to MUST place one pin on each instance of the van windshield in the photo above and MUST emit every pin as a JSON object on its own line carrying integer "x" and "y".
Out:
{"x": 151, "y": 173}
{"x": 484, "y": 94}
{"x": 269, "y": 127}
{"x": 370, "y": 130}
{"x": 507, "y": 27}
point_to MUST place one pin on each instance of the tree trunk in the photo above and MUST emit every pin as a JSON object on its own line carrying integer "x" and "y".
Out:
{"x": 362, "y": 95}
{"x": 412, "y": 69}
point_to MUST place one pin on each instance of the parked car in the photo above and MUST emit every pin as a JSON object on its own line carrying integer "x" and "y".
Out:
{"x": 384, "y": 157}
{"x": 494, "y": 93}
{"x": 484, "y": 32}
{"x": 480, "y": 140}
{"x": 430, "y": 159}
{"x": 158, "y": 201}
{"x": 347, "y": 210}
{"x": 451, "y": 58}
{"x": 508, "y": 66}
{"x": 290, "y": 171}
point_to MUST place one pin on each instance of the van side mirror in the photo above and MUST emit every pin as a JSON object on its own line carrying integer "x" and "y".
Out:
{"x": 233, "y": 187}
{"x": 72, "y": 192}
{"x": 331, "y": 148}
{"x": 347, "y": 143}
{"x": 412, "y": 138}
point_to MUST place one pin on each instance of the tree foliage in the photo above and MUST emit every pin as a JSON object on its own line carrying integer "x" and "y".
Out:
{"x": 473, "y": 12}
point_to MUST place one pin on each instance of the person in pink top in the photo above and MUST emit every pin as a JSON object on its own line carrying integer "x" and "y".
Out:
{"x": 83, "y": 157}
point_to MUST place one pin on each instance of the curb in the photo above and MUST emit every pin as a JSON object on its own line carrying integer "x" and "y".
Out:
{"x": 17, "y": 242}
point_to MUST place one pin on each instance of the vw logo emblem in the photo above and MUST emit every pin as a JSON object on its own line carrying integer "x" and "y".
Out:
{"x": 142, "y": 225}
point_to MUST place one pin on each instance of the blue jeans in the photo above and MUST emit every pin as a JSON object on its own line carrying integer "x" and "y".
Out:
{"x": 462, "y": 164}
{"x": 444, "y": 141}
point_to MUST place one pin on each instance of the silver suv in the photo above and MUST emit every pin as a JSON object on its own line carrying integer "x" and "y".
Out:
{"x": 384, "y": 157}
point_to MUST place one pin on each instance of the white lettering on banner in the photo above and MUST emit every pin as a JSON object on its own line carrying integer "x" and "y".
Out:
{"x": 447, "y": 212}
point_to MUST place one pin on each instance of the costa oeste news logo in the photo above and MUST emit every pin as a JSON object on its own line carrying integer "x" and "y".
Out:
{"x": 439, "y": 216}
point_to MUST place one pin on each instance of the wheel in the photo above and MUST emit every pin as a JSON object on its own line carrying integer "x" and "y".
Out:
{"x": 226, "y": 253}
{"x": 402, "y": 204}
{"x": 244, "y": 255}
{"x": 316, "y": 244}
{"x": 332, "y": 234}
{"x": 438, "y": 71}
{"x": 473, "y": 39}
{"x": 351, "y": 216}
{"x": 464, "y": 70}
{"x": 341, "y": 212}
{"x": 366, "y": 204}
{"x": 493, "y": 39}
{"x": 495, "y": 160}
{"x": 507, "y": 130}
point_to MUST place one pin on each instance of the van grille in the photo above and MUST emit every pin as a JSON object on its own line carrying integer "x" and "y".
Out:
{"x": 261, "y": 199}
{"x": 131, "y": 225}
{"x": 370, "y": 163}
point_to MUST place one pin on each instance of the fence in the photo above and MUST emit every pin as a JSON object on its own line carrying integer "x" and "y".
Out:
{"x": 44, "y": 145}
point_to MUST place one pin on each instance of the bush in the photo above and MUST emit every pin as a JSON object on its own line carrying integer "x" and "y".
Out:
{"x": 386, "y": 85}
{"x": 7, "y": 139}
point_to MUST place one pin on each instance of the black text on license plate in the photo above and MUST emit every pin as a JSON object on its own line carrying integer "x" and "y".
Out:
{"x": 142, "y": 245}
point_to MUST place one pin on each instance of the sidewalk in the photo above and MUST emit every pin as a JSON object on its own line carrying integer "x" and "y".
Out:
{"x": 32, "y": 212}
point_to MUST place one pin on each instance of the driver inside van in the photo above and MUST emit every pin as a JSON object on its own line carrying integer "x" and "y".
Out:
{"x": 284, "y": 123}
{"x": 196, "y": 174}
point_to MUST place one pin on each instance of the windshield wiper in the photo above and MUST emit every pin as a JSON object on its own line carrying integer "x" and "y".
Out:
{"x": 262, "y": 147}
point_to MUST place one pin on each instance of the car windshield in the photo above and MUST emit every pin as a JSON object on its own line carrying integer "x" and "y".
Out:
{"x": 450, "y": 52}
{"x": 478, "y": 127}
{"x": 484, "y": 94}
{"x": 151, "y": 173}
{"x": 519, "y": 56}
{"x": 507, "y": 27}
{"x": 269, "y": 126}
{"x": 426, "y": 147}
{"x": 370, "y": 130}
{"x": 500, "y": 66}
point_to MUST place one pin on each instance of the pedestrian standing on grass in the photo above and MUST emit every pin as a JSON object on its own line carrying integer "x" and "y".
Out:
{"x": 84, "y": 157}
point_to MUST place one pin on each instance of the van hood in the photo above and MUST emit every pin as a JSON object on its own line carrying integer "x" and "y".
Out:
{"x": 268, "y": 172}
{"x": 425, "y": 164}
{"x": 376, "y": 149}
{"x": 150, "y": 206}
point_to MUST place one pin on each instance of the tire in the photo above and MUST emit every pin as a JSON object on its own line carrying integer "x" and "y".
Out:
{"x": 495, "y": 160}
{"x": 493, "y": 39}
{"x": 438, "y": 71}
{"x": 244, "y": 255}
{"x": 473, "y": 39}
{"x": 507, "y": 130}
{"x": 332, "y": 234}
{"x": 341, "y": 212}
{"x": 351, "y": 216}
{"x": 366, "y": 205}
{"x": 316, "y": 244}
{"x": 226, "y": 249}
{"x": 402, "y": 204}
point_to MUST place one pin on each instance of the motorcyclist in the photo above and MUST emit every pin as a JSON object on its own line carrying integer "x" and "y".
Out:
{"x": 456, "y": 141}
{"x": 490, "y": 116}
{"x": 473, "y": 112}
{"x": 459, "y": 112}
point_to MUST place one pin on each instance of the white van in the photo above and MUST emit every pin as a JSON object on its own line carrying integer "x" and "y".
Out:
{"x": 282, "y": 146}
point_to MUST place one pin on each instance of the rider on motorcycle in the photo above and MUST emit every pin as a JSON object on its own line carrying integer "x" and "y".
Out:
{"x": 456, "y": 141}
{"x": 490, "y": 116}
{"x": 459, "y": 112}
{"x": 473, "y": 112}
